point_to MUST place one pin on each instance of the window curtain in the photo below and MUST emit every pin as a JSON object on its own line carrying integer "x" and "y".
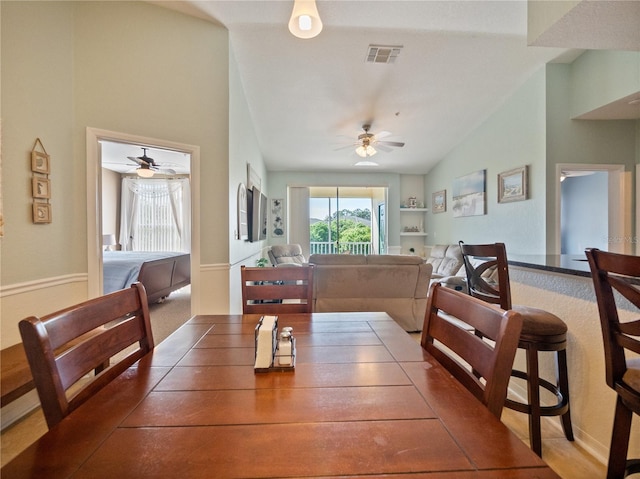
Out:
{"x": 155, "y": 215}
{"x": 299, "y": 218}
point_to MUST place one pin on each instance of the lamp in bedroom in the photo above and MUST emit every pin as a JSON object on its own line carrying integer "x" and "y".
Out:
{"x": 109, "y": 241}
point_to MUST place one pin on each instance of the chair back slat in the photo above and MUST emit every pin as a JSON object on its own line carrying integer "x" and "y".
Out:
{"x": 482, "y": 367}
{"x": 73, "y": 322}
{"x": 82, "y": 358}
{"x": 277, "y": 290}
{"x": 479, "y": 261}
{"x": 64, "y": 346}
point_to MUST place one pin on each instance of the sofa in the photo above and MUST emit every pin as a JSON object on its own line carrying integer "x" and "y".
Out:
{"x": 448, "y": 266}
{"x": 396, "y": 284}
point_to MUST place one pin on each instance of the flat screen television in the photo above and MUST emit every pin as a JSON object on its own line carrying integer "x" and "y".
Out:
{"x": 253, "y": 213}
{"x": 263, "y": 217}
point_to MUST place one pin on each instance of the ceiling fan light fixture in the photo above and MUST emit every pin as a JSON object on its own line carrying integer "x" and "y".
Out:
{"x": 305, "y": 21}
{"x": 365, "y": 151}
{"x": 144, "y": 172}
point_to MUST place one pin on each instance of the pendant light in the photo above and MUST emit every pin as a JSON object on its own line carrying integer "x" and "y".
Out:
{"x": 305, "y": 21}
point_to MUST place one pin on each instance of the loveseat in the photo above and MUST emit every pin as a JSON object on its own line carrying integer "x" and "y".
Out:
{"x": 396, "y": 284}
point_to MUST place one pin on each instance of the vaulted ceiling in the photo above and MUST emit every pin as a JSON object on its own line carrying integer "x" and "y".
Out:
{"x": 458, "y": 62}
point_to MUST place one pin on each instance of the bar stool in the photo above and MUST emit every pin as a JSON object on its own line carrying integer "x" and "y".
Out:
{"x": 614, "y": 275}
{"x": 488, "y": 279}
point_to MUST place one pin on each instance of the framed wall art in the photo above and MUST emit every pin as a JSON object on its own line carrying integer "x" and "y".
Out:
{"x": 277, "y": 218}
{"x": 40, "y": 162}
{"x": 469, "y": 194}
{"x": 41, "y": 187}
{"x": 40, "y": 183}
{"x": 439, "y": 201}
{"x": 243, "y": 225}
{"x": 512, "y": 185}
{"x": 41, "y": 213}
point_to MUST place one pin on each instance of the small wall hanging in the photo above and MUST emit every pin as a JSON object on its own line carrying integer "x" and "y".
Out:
{"x": 40, "y": 183}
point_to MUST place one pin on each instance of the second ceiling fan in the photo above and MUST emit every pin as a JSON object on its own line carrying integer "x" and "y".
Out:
{"x": 147, "y": 166}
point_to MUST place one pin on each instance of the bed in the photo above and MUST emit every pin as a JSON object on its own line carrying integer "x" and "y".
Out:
{"x": 159, "y": 272}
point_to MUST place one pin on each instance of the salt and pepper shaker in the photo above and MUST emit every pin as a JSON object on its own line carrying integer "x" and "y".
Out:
{"x": 284, "y": 347}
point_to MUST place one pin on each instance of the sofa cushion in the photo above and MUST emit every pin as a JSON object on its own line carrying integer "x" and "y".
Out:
{"x": 337, "y": 259}
{"x": 446, "y": 260}
{"x": 386, "y": 259}
{"x": 396, "y": 284}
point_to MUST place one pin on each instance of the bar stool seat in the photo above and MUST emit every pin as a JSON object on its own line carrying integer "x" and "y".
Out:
{"x": 488, "y": 279}
{"x": 543, "y": 331}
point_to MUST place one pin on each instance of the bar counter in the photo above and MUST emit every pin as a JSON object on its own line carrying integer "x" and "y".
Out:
{"x": 574, "y": 264}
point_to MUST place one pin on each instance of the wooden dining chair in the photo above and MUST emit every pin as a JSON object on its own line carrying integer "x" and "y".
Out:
{"x": 482, "y": 367}
{"x": 63, "y": 347}
{"x": 616, "y": 279}
{"x": 488, "y": 279}
{"x": 277, "y": 290}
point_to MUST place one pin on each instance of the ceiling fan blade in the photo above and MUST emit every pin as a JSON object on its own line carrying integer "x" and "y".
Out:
{"x": 391, "y": 143}
{"x": 352, "y": 145}
{"x": 136, "y": 160}
{"x": 382, "y": 134}
{"x": 381, "y": 147}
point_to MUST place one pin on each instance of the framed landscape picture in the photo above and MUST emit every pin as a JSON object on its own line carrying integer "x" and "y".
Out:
{"x": 469, "y": 194}
{"x": 512, "y": 185}
{"x": 439, "y": 201}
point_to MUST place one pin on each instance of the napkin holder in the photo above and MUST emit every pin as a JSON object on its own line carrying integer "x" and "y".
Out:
{"x": 267, "y": 357}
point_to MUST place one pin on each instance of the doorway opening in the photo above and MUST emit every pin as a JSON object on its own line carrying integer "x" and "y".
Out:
{"x": 592, "y": 208}
{"x": 112, "y": 148}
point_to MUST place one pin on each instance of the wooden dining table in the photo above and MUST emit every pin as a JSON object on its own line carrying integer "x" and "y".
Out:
{"x": 364, "y": 400}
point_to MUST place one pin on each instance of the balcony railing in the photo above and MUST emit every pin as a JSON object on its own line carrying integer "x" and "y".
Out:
{"x": 325, "y": 247}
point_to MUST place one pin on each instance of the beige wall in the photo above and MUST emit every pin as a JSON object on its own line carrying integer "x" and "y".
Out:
{"x": 128, "y": 67}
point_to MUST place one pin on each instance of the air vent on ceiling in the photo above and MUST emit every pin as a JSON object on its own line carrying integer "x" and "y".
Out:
{"x": 383, "y": 53}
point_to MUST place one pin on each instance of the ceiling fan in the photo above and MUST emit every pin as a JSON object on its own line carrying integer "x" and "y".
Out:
{"x": 147, "y": 166}
{"x": 368, "y": 143}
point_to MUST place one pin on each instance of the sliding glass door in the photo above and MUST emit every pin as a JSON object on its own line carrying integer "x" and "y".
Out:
{"x": 341, "y": 220}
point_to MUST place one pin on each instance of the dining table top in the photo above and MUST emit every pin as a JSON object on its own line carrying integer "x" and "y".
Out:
{"x": 364, "y": 400}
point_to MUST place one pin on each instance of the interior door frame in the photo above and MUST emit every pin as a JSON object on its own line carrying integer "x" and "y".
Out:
{"x": 94, "y": 202}
{"x": 619, "y": 191}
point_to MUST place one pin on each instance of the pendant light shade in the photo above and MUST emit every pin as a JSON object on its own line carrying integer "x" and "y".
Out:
{"x": 305, "y": 21}
{"x": 144, "y": 171}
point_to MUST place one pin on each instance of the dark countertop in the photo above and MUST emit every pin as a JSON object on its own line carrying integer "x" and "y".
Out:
{"x": 574, "y": 264}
